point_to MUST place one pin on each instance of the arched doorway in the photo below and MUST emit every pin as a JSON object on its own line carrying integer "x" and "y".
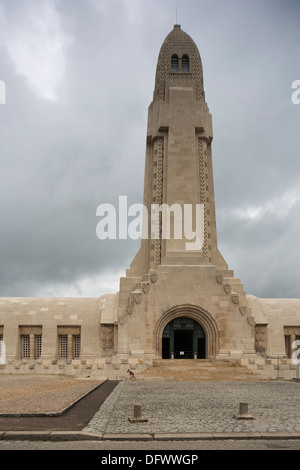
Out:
{"x": 203, "y": 319}
{"x": 183, "y": 338}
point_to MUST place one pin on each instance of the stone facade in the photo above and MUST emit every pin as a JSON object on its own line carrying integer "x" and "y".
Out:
{"x": 178, "y": 299}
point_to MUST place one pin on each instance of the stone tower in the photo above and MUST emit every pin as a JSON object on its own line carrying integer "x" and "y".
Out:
{"x": 178, "y": 297}
{"x": 178, "y": 157}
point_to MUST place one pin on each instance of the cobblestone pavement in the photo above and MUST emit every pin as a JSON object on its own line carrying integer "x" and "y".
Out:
{"x": 200, "y": 407}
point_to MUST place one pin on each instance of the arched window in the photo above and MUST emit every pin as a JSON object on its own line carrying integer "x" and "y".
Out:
{"x": 174, "y": 63}
{"x": 185, "y": 63}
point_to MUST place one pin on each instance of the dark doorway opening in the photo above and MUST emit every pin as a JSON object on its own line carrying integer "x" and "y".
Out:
{"x": 183, "y": 344}
{"x": 165, "y": 348}
{"x": 201, "y": 348}
{"x": 183, "y": 338}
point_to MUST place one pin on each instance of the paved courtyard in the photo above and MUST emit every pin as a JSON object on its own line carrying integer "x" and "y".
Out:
{"x": 200, "y": 407}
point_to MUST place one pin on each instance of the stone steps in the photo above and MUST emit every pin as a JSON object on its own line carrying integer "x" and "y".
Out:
{"x": 197, "y": 369}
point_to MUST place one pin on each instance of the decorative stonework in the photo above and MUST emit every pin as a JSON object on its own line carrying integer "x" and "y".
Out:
{"x": 227, "y": 288}
{"x": 202, "y": 154}
{"x": 235, "y": 298}
{"x": 293, "y": 330}
{"x": 107, "y": 339}
{"x": 261, "y": 339}
{"x": 243, "y": 310}
{"x": 219, "y": 278}
{"x": 129, "y": 309}
{"x": 136, "y": 296}
{"x": 145, "y": 287}
{"x": 68, "y": 330}
{"x": 157, "y": 198}
{"x": 30, "y": 330}
{"x": 153, "y": 277}
{"x": 180, "y": 43}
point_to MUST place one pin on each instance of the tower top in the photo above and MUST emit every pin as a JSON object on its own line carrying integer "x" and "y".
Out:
{"x": 178, "y": 61}
{"x": 178, "y": 187}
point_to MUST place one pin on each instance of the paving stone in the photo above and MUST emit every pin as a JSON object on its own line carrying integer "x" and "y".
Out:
{"x": 200, "y": 408}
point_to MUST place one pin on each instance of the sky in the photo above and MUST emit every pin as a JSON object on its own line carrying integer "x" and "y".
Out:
{"x": 79, "y": 77}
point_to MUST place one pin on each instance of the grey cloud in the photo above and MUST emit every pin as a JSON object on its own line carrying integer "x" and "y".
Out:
{"x": 60, "y": 160}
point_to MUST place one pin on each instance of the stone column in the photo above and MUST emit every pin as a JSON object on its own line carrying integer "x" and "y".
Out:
{"x": 32, "y": 345}
{"x": 70, "y": 346}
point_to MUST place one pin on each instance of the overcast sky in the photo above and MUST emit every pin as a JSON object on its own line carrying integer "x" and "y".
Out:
{"x": 79, "y": 78}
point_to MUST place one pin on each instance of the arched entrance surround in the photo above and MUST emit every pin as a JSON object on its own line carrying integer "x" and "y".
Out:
{"x": 198, "y": 314}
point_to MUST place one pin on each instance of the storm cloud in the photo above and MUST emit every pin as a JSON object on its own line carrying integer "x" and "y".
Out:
{"x": 79, "y": 78}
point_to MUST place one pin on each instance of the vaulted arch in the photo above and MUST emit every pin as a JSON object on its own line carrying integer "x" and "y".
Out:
{"x": 196, "y": 313}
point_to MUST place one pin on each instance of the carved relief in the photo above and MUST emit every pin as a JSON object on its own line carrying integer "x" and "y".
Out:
{"x": 243, "y": 310}
{"x": 68, "y": 330}
{"x": 129, "y": 309}
{"x": 202, "y": 149}
{"x": 158, "y": 151}
{"x": 219, "y": 278}
{"x": 235, "y": 298}
{"x": 261, "y": 339}
{"x": 130, "y": 304}
{"x": 27, "y": 330}
{"x": 227, "y": 288}
{"x": 145, "y": 287}
{"x": 107, "y": 339}
{"x": 153, "y": 277}
{"x": 292, "y": 330}
{"x": 137, "y": 297}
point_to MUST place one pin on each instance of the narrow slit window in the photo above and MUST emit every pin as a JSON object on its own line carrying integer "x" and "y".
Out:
{"x": 38, "y": 346}
{"x": 76, "y": 346}
{"x": 185, "y": 63}
{"x": 25, "y": 346}
{"x": 174, "y": 63}
{"x": 287, "y": 341}
{"x": 63, "y": 346}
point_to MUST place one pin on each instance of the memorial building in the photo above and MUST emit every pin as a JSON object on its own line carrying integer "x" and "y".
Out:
{"x": 179, "y": 299}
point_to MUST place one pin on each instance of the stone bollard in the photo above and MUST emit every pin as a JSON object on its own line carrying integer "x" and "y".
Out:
{"x": 243, "y": 414}
{"x": 137, "y": 415}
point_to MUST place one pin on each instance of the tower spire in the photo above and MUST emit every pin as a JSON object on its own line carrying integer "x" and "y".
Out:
{"x": 179, "y": 163}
